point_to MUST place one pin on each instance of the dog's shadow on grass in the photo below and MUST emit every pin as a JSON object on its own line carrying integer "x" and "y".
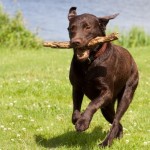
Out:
{"x": 72, "y": 139}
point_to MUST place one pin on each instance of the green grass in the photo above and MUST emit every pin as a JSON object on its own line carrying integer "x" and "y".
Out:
{"x": 36, "y": 105}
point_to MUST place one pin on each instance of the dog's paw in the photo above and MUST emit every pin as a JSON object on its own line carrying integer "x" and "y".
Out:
{"x": 75, "y": 116}
{"x": 82, "y": 124}
{"x": 105, "y": 143}
{"x": 120, "y": 132}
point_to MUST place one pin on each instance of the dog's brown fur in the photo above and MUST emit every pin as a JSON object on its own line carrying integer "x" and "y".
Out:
{"x": 104, "y": 75}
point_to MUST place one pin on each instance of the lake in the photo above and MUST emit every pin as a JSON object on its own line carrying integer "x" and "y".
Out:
{"x": 48, "y": 18}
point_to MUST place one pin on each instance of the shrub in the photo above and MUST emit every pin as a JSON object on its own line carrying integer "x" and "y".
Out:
{"x": 135, "y": 37}
{"x": 14, "y": 34}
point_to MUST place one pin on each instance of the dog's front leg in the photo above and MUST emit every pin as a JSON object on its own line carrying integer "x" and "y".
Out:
{"x": 83, "y": 122}
{"x": 77, "y": 95}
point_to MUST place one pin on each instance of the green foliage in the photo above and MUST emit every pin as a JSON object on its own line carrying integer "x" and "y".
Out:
{"x": 135, "y": 37}
{"x": 14, "y": 34}
{"x": 36, "y": 104}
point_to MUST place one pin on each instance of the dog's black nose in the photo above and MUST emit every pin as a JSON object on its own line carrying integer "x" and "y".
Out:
{"x": 76, "y": 42}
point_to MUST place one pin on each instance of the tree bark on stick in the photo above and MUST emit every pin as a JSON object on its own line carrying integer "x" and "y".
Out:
{"x": 93, "y": 42}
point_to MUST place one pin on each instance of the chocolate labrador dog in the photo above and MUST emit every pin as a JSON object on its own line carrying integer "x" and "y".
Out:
{"x": 105, "y": 73}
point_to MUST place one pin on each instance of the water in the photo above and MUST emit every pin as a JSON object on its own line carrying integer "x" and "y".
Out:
{"x": 49, "y": 17}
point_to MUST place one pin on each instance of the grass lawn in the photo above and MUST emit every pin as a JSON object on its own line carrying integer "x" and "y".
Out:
{"x": 36, "y": 105}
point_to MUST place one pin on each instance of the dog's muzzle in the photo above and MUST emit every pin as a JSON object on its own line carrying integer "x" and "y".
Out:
{"x": 82, "y": 55}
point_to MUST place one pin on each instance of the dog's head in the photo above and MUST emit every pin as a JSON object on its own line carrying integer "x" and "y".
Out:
{"x": 83, "y": 28}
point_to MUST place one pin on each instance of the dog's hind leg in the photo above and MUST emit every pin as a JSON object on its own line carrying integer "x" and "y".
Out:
{"x": 109, "y": 114}
{"x": 121, "y": 109}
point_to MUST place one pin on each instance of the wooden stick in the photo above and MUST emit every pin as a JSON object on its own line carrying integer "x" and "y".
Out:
{"x": 93, "y": 42}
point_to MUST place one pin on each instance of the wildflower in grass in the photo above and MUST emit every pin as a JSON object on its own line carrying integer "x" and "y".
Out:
{"x": 12, "y": 140}
{"x": 5, "y": 129}
{"x": 14, "y": 101}
{"x": 23, "y": 129}
{"x": 36, "y": 80}
{"x": 19, "y": 116}
{"x": 59, "y": 118}
{"x": 146, "y": 143}
{"x": 127, "y": 141}
{"x": 32, "y": 120}
{"x": 27, "y": 81}
{"x": 47, "y": 128}
{"x": 12, "y": 123}
{"x": 18, "y": 135}
{"x": 11, "y": 104}
{"x": 70, "y": 106}
{"x": 24, "y": 79}
{"x": 135, "y": 124}
{"x": 2, "y": 126}
{"x": 39, "y": 129}
{"x": 34, "y": 105}
{"x": 110, "y": 124}
{"x": 48, "y": 106}
{"x": 125, "y": 129}
{"x": 147, "y": 83}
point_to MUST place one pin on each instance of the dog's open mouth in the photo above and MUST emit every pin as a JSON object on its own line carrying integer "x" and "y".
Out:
{"x": 82, "y": 55}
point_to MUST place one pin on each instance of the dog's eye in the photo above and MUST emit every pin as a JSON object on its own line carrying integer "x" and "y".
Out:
{"x": 88, "y": 27}
{"x": 72, "y": 28}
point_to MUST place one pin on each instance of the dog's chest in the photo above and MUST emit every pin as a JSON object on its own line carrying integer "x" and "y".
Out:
{"x": 90, "y": 80}
{"x": 91, "y": 88}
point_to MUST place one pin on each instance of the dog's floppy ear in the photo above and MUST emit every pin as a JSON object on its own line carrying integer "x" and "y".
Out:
{"x": 72, "y": 13}
{"x": 104, "y": 20}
